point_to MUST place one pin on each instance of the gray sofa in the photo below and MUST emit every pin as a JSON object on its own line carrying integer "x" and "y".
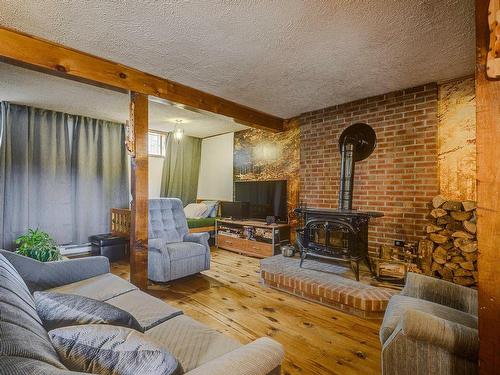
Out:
{"x": 430, "y": 328}
{"x": 25, "y": 347}
{"x": 173, "y": 251}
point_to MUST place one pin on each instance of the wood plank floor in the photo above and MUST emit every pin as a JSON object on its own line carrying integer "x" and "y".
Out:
{"x": 229, "y": 298}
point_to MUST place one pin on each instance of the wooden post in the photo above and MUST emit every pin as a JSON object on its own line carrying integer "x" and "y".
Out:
{"x": 488, "y": 175}
{"x": 139, "y": 185}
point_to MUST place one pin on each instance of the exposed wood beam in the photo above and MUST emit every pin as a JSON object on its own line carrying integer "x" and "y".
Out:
{"x": 488, "y": 174}
{"x": 20, "y": 48}
{"x": 139, "y": 188}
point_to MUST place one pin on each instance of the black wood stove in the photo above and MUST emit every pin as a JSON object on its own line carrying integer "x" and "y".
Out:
{"x": 341, "y": 234}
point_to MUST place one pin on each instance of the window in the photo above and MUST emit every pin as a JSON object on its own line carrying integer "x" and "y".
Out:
{"x": 156, "y": 144}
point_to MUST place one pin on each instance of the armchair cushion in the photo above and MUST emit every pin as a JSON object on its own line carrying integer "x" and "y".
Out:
{"x": 456, "y": 338}
{"x": 183, "y": 250}
{"x": 167, "y": 219}
{"x": 399, "y": 305}
{"x": 441, "y": 291}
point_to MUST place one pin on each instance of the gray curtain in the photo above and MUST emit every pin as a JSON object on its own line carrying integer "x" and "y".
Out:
{"x": 46, "y": 164}
{"x": 99, "y": 177}
{"x": 181, "y": 168}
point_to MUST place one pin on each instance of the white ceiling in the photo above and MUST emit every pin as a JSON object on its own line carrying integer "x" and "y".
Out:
{"x": 284, "y": 57}
{"x": 19, "y": 85}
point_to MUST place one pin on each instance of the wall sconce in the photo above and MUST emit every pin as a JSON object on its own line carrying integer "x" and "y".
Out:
{"x": 178, "y": 130}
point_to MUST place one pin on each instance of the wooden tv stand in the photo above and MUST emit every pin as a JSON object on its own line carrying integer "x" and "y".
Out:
{"x": 251, "y": 237}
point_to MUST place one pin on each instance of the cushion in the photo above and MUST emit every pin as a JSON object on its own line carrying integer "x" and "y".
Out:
{"x": 167, "y": 219}
{"x": 183, "y": 250}
{"x": 213, "y": 208}
{"x": 27, "y": 366}
{"x": 191, "y": 342}
{"x": 100, "y": 287}
{"x": 21, "y": 331}
{"x": 105, "y": 349}
{"x": 156, "y": 312}
{"x": 59, "y": 310}
{"x": 399, "y": 304}
{"x": 195, "y": 210}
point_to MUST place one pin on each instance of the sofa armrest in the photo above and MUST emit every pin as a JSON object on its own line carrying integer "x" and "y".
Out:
{"x": 455, "y": 338}
{"x": 260, "y": 357}
{"x": 201, "y": 238}
{"x": 45, "y": 275}
{"x": 441, "y": 291}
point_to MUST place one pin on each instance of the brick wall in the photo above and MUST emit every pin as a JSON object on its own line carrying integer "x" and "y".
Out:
{"x": 398, "y": 179}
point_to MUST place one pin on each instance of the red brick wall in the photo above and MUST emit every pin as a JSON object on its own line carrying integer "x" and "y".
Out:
{"x": 398, "y": 179}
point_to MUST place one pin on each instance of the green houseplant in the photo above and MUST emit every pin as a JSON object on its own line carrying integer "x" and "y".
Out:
{"x": 38, "y": 245}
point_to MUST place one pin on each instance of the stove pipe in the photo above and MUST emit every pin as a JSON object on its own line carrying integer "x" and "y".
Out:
{"x": 346, "y": 175}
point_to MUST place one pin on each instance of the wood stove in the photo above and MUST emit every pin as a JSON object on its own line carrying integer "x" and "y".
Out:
{"x": 341, "y": 234}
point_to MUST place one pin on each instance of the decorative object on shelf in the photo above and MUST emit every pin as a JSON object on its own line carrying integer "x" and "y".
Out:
{"x": 178, "y": 130}
{"x": 130, "y": 134}
{"x": 288, "y": 250}
{"x": 38, "y": 245}
{"x": 248, "y": 232}
{"x": 493, "y": 58}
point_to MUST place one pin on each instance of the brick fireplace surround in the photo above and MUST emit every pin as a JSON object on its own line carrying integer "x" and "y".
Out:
{"x": 398, "y": 179}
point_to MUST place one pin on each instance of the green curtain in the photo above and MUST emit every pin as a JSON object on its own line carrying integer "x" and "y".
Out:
{"x": 181, "y": 168}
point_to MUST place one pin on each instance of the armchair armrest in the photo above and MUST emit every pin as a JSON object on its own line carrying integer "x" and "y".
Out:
{"x": 156, "y": 244}
{"x": 260, "y": 357}
{"x": 457, "y": 339}
{"x": 441, "y": 291}
{"x": 45, "y": 275}
{"x": 201, "y": 238}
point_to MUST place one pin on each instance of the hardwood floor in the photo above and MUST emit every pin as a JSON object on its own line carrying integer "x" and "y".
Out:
{"x": 229, "y": 298}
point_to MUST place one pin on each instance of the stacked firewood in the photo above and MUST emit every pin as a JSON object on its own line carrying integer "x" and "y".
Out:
{"x": 450, "y": 250}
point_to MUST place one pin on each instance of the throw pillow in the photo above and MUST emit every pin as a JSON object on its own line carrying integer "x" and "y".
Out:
{"x": 111, "y": 350}
{"x": 195, "y": 210}
{"x": 213, "y": 208}
{"x": 60, "y": 310}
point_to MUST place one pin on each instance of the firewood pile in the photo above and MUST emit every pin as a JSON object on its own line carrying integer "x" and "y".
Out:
{"x": 450, "y": 249}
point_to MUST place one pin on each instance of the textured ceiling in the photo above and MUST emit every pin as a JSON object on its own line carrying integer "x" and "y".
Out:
{"x": 22, "y": 86}
{"x": 284, "y": 57}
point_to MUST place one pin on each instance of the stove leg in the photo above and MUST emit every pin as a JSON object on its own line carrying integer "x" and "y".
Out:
{"x": 369, "y": 264}
{"x": 303, "y": 255}
{"x": 356, "y": 269}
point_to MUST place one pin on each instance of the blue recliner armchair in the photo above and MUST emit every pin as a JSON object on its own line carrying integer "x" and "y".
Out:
{"x": 173, "y": 251}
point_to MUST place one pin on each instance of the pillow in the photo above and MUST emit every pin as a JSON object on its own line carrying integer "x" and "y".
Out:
{"x": 213, "y": 208}
{"x": 60, "y": 310}
{"x": 195, "y": 210}
{"x": 110, "y": 350}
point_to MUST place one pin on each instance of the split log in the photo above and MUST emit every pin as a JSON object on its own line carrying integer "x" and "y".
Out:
{"x": 436, "y": 267}
{"x": 438, "y": 212}
{"x": 469, "y": 205}
{"x": 467, "y": 266}
{"x": 454, "y": 225}
{"x": 457, "y": 259}
{"x": 431, "y": 228}
{"x": 437, "y": 201}
{"x": 447, "y": 245}
{"x": 462, "y": 234}
{"x": 444, "y": 220}
{"x": 452, "y": 206}
{"x": 425, "y": 249}
{"x": 465, "y": 281}
{"x": 446, "y": 273}
{"x": 471, "y": 257}
{"x": 470, "y": 226}
{"x": 462, "y": 272}
{"x": 452, "y": 266}
{"x": 467, "y": 246}
{"x": 440, "y": 255}
{"x": 438, "y": 238}
{"x": 460, "y": 215}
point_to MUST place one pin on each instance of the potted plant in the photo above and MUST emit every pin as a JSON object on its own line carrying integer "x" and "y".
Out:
{"x": 38, "y": 245}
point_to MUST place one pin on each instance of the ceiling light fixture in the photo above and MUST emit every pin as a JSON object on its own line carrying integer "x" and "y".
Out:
{"x": 178, "y": 130}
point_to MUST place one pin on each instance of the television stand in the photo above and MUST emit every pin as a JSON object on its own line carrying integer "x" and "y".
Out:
{"x": 251, "y": 237}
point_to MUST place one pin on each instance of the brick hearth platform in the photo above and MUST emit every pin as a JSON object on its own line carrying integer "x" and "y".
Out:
{"x": 326, "y": 283}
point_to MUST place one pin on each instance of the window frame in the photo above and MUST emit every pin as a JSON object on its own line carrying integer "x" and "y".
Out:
{"x": 163, "y": 144}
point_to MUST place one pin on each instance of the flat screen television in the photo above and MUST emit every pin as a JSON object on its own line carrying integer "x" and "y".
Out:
{"x": 264, "y": 198}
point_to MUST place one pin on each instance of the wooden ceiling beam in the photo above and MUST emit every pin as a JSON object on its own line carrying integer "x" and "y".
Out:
{"x": 47, "y": 56}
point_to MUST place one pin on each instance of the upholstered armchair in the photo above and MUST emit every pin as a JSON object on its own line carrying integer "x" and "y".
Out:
{"x": 430, "y": 328}
{"x": 173, "y": 252}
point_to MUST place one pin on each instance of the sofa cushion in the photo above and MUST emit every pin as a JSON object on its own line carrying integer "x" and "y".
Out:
{"x": 156, "y": 312}
{"x": 191, "y": 342}
{"x": 399, "y": 304}
{"x": 105, "y": 349}
{"x": 21, "y": 331}
{"x": 59, "y": 310}
{"x": 101, "y": 288}
{"x": 28, "y": 366}
{"x": 183, "y": 250}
